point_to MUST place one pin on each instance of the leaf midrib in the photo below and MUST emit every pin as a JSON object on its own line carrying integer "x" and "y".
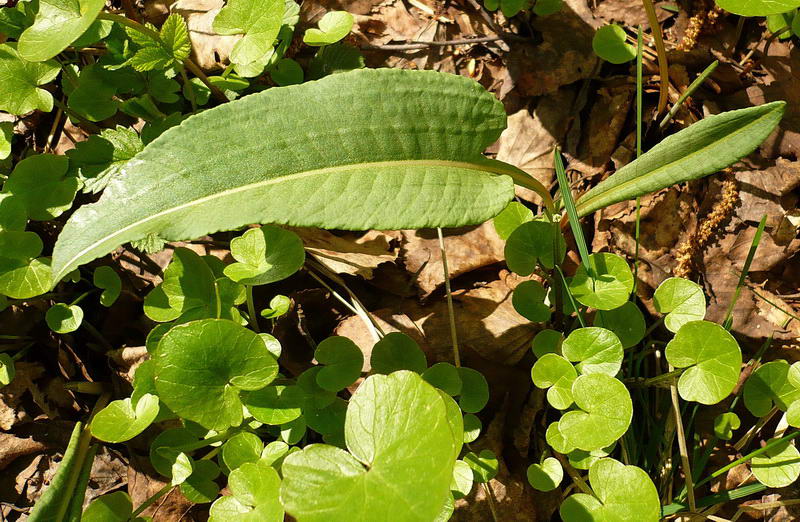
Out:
{"x": 477, "y": 166}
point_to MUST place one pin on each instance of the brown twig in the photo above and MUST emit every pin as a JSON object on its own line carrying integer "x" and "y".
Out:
{"x": 663, "y": 66}
{"x": 414, "y": 45}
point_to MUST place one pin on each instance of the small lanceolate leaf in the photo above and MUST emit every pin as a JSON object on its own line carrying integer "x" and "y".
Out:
{"x": 547, "y": 475}
{"x": 604, "y": 414}
{"x": 202, "y": 365}
{"x": 528, "y": 300}
{"x": 704, "y": 148}
{"x": 596, "y": 350}
{"x": 758, "y": 7}
{"x": 41, "y": 183}
{"x": 259, "y": 21}
{"x": 712, "y": 359}
{"x": 63, "y": 318}
{"x": 397, "y": 426}
{"x": 779, "y": 466}
{"x": 534, "y": 242}
{"x": 725, "y": 424}
{"x": 556, "y": 373}
{"x": 622, "y": 493}
{"x": 627, "y": 322}
{"x": 265, "y": 255}
{"x": 397, "y": 351}
{"x": 769, "y": 385}
{"x": 682, "y": 300}
{"x": 402, "y": 159}
{"x": 609, "y": 43}
{"x": 58, "y": 23}
{"x": 611, "y": 285}
{"x": 334, "y": 26}
{"x": 121, "y": 420}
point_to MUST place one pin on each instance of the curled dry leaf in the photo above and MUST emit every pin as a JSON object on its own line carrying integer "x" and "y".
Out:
{"x": 209, "y": 50}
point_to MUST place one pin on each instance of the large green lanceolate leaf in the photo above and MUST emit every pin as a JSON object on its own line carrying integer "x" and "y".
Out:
{"x": 702, "y": 149}
{"x": 381, "y": 149}
{"x": 58, "y": 23}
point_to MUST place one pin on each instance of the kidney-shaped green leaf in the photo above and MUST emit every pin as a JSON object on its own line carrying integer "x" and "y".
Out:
{"x": 769, "y": 385}
{"x": 779, "y": 466}
{"x": 605, "y": 412}
{"x": 682, "y": 300}
{"x": 408, "y": 155}
{"x": 596, "y": 350}
{"x": 122, "y": 420}
{"x": 758, "y": 7}
{"x": 396, "y": 426}
{"x": 19, "y": 91}
{"x": 265, "y": 255}
{"x": 58, "y": 23}
{"x": 607, "y": 286}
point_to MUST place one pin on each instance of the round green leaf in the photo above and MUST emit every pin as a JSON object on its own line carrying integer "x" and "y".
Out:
{"x": 582, "y": 459}
{"x": 256, "y": 496}
{"x": 114, "y": 507}
{"x": 63, "y": 318}
{"x": 13, "y": 215}
{"x": 792, "y": 414}
{"x": 315, "y": 397}
{"x": 596, "y": 350}
{"x": 334, "y": 26}
{"x": 610, "y": 45}
{"x": 510, "y": 218}
{"x": 627, "y": 322}
{"x": 260, "y": 22}
{"x": 182, "y": 469}
{"x": 769, "y": 385}
{"x": 265, "y": 255}
{"x": 293, "y": 431}
{"x": 274, "y": 452}
{"x": 758, "y": 7}
{"x": 19, "y": 91}
{"x": 682, "y": 300}
{"x": 202, "y": 365}
{"x": 17, "y": 244}
{"x": 547, "y": 341}
{"x": 725, "y": 424}
{"x": 342, "y": 361}
{"x": 397, "y": 426}
{"x": 712, "y": 360}
{"x": 474, "y": 390}
{"x": 547, "y": 7}
{"x": 328, "y": 420}
{"x": 609, "y": 288}
{"x": 547, "y": 475}
{"x": 556, "y": 440}
{"x": 200, "y": 487}
{"x": 21, "y": 279}
{"x": 163, "y": 449}
{"x": 623, "y": 493}
{"x": 121, "y": 420}
{"x": 604, "y": 414}
{"x": 58, "y": 23}
{"x": 472, "y": 428}
{"x": 286, "y": 72}
{"x": 8, "y": 371}
{"x": 278, "y": 306}
{"x": 462, "y": 479}
{"x": 397, "y": 351}
{"x": 484, "y": 465}
{"x": 275, "y": 405}
{"x": 528, "y": 300}
{"x": 555, "y": 372}
{"x": 241, "y": 448}
{"x": 444, "y": 376}
{"x": 6, "y": 135}
{"x": 106, "y": 278}
{"x": 530, "y": 243}
{"x": 778, "y": 467}
{"x": 42, "y": 185}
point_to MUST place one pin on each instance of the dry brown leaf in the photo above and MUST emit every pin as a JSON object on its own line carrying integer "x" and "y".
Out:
{"x": 11, "y": 396}
{"x": 12, "y": 447}
{"x": 345, "y": 255}
{"x": 209, "y": 50}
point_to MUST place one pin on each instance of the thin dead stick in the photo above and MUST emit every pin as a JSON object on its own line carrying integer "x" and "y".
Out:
{"x": 685, "y": 464}
{"x": 663, "y": 66}
{"x": 414, "y": 45}
{"x": 745, "y": 440}
{"x": 450, "y": 311}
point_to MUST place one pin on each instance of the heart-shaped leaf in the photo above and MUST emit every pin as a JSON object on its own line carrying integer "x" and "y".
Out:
{"x": 444, "y": 376}
{"x": 596, "y": 350}
{"x": 342, "y": 361}
{"x": 484, "y": 465}
{"x": 334, "y": 26}
{"x": 265, "y": 255}
{"x": 256, "y": 496}
{"x": 610, "y": 285}
{"x": 556, "y": 373}
{"x": 20, "y": 92}
{"x": 106, "y": 278}
{"x": 474, "y": 390}
{"x": 627, "y": 322}
{"x": 712, "y": 359}
{"x": 779, "y": 466}
{"x": 725, "y": 424}
{"x": 556, "y": 439}
{"x": 758, "y": 7}
{"x": 259, "y": 21}
{"x": 397, "y": 427}
{"x": 622, "y": 493}
{"x": 275, "y": 405}
{"x": 547, "y": 475}
{"x": 241, "y": 448}
{"x": 41, "y": 184}
{"x": 528, "y": 300}
{"x": 22, "y": 279}
{"x": 7, "y": 369}
{"x": 507, "y": 221}
{"x": 122, "y": 420}
{"x": 610, "y": 44}
{"x": 604, "y": 414}
{"x": 202, "y": 365}
{"x": 58, "y": 23}
{"x": 682, "y": 300}
{"x": 280, "y": 161}
{"x": 397, "y": 351}
{"x": 769, "y": 385}
{"x": 278, "y": 306}
{"x": 200, "y": 486}
{"x": 114, "y": 507}
{"x": 531, "y": 243}
{"x": 547, "y": 341}
{"x": 63, "y": 318}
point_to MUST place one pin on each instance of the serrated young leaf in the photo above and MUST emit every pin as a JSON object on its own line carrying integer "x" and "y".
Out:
{"x": 259, "y": 21}
{"x": 19, "y": 90}
{"x": 42, "y": 185}
{"x": 260, "y": 176}
{"x": 100, "y": 159}
{"x": 172, "y": 48}
{"x": 58, "y": 23}
{"x": 334, "y": 26}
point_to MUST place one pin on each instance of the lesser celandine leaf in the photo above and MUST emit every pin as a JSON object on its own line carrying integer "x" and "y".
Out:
{"x": 547, "y": 341}
{"x": 712, "y": 359}
{"x": 556, "y": 439}
{"x": 278, "y": 306}
{"x": 286, "y": 72}
{"x": 163, "y": 449}
{"x": 293, "y": 431}
{"x": 609, "y": 287}
{"x": 17, "y": 244}
{"x": 397, "y": 426}
{"x": 769, "y": 386}
{"x": 792, "y": 414}
{"x": 19, "y": 91}
{"x": 627, "y": 322}
{"x": 328, "y": 421}
{"x": 41, "y": 184}
{"x": 200, "y": 486}
{"x": 532, "y": 242}
{"x": 484, "y": 465}
{"x": 13, "y": 214}
{"x": 63, "y": 318}
{"x": 22, "y": 279}
{"x": 462, "y": 479}
{"x": 510, "y": 218}
{"x": 241, "y": 448}
{"x": 596, "y": 350}
{"x": 610, "y": 44}
{"x": 604, "y": 414}
{"x": 315, "y": 397}
{"x": 114, "y": 507}
{"x": 582, "y": 459}
{"x": 7, "y": 370}
{"x": 474, "y": 390}
{"x": 397, "y": 351}
{"x": 342, "y": 361}
{"x": 256, "y": 496}
{"x": 472, "y": 428}
{"x": 622, "y": 493}
{"x": 444, "y": 376}
{"x": 182, "y": 469}
{"x": 202, "y": 365}
{"x": 281, "y": 161}
{"x": 122, "y": 420}
{"x": 275, "y": 405}
{"x": 106, "y": 278}
{"x": 725, "y": 424}
{"x": 758, "y": 7}
{"x": 556, "y": 373}
{"x": 334, "y": 26}
{"x": 259, "y": 21}
{"x": 455, "y": 420}
{"x": 528, "y": 300}
{"x": 265, "y": 255}
{"x": 682, "y": 300}
{"x": 547, "y": 475}
{"x": 58, "y": 23}
{"x": 6, "y": 135}
{"x": 779, "y": 466}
